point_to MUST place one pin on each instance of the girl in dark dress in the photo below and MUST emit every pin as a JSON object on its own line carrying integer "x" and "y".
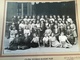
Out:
{"x": 56, "y": 32}
{"x": 35, "y": 41}
{"x": 69, "y": 35}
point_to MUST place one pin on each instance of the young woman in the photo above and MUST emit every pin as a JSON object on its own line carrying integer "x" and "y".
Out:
{"x": 11, "y": 28}
{"x": 42, "y": 28}
{"x": 33, "y": 18}
{"x": 73, "y": 28}
{"x": 54, "y": 16}
{"x": 13, "y": 45}
{"x": 27, "y": 31}
{"x": 45, "y": 40}
{"x": 35, "y": 41}
{"x": 63, "y": 18}
{"x": 51, "y": 18}
{"x": 33, "y": 23}
{"x": 64, "y": 41}
{"x": 59, "y": 18}
{"x": 60, "y": 26}
{"x": 38, "y": 24}
{"x": 29, "y": 18}
{"x": 42, "y": 18}
{"x": 51, "y": 25}
{"x": 53, "y": 41}
{"x": 12, "y": 34}
{"x": 69, "y": 20}
{"x": 56, "y": 31}
{"x": 25, "y": 19}
{"x": 48, "y": 31}
{"x": 38, "y": 27}
{"x": 46, "y": 23}
{"x": 30, "y": 25}
{"x": 22, "y": 25}
{"x": 69, "y": 35}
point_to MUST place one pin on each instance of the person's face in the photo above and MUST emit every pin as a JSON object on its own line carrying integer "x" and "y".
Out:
{"x": 25, "y": 16}
{"x": 30, "y": 22}
{"x": 33, "y": 16}
{"x": 34, "y": 21}
{"x": 34, "y": 35}
{"x": 59, "y": 21}
{"x": 29, "y": 17}
{"x": 14, "y": 16}
{"x": 26, "y": 27}
{"x": 22, "y": 22}
{"x": 51, "y": 21}
{"x": 67, "y": 16}
{"x": 35, "y": 27}
{"x": 38, "y": 17}
{"x": 68, "y": 27}
{"x": 12, "y": 23}
{"x": 42, "y": 16}
{"x": 45, "y": 16}
{"x": 16, "y": 35}
{"x": 54, "y": 16}
{"x": 45, "y": 35}
{"x": 46, "y": 21}
{"x": 42, "y": 22}
{"x": 21, "y": 17}
{"x": 13, "y": 28}
{"x": 50, "y": 16}
{"x": 56, "y": 22}
{"x": 63, "y": 16}
{"x": 63, "y": 21}
{"x": 52, "y": 34}
{"x": 47, "y": 27}
{"x": 58, "y": 16}
{"x": 25, "y": 35}
{"x": 26, "y": 23}
{"x": 55, "y": 26}
{"x": 71, "y": 22}
{"x": 18, "y": 17}
{"x": 62, "y": 33}
{"x": 37, "y": 21}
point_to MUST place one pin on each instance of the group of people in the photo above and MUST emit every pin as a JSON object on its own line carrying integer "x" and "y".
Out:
{"x": 36, "y": 31}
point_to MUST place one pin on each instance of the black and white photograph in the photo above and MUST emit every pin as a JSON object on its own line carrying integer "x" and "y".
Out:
{"x": 40, "y": 27}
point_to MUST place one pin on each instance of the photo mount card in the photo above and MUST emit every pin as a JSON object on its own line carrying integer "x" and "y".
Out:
{"x": 38, "y": 37}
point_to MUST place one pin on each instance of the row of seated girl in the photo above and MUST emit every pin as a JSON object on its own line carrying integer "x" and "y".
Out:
{"x": 51, "y": 41}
